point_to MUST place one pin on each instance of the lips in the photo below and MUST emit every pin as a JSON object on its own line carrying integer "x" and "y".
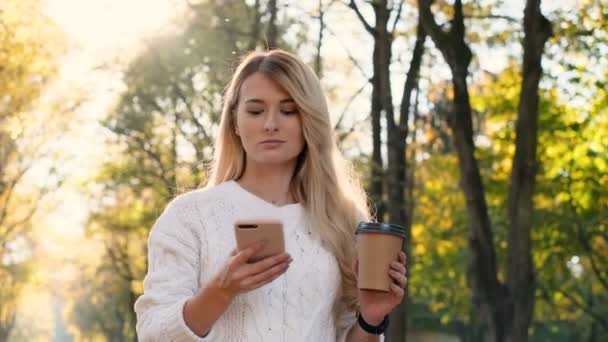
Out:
{"x": 272, "y": 141}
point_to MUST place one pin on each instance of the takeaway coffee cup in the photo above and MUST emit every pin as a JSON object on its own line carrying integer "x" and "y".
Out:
{"x": 378, "y": 244}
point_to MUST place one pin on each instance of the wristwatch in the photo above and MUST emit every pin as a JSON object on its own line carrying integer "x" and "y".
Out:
{"x": 372, "y": 329}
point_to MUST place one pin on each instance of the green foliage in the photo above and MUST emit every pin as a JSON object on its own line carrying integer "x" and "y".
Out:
{"x": 570, "y": 200}
{"x": 570, "y": 221}
{"x": 572, "y": 206}
{"x": 30, "y": 44}
{"x": 14, "y": 276}
{"x": 99, "y": 309}
{"x": 439, "y": 237}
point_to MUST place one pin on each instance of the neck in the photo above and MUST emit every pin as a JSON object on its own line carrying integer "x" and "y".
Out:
{"x": 272, "y": 183}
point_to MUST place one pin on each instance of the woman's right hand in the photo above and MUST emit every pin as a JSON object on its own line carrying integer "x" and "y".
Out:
{"x": 238, "y": 276}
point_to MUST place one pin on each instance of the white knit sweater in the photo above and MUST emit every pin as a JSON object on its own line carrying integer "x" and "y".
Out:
{"x": 192, "y": 240}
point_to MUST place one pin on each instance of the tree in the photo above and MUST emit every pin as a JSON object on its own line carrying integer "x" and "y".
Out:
{"x": 520, "y": 267}
{"x": 505, "y": 309}
{"x": 381, "y": 95}
{"x": 30, "y": 45}
{"x": 397, "y": 132}
{"x": 574, "y": 180}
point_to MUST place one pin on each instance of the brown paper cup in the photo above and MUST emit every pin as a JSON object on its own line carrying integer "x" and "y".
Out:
{"x": 377, "y": 246}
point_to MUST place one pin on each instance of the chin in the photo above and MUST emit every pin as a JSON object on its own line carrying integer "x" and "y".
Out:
{"x": 275, "y": 160}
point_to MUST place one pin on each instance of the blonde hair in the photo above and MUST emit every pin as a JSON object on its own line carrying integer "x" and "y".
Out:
{"x": 323, "y": 181}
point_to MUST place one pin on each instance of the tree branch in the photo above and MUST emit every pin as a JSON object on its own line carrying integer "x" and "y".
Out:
{"x": 179, "y": 93}
{"x": 121, "y": 267}
{"x": 584, "y": 241}
{"x": 428, "y": 19}
{"x": 398, "y": 15}
{"x": 10, "y": 228}
{"x": 348, "y": 103}
{"x": 598, "y": 318}
{"x": 367, "y": 26}
{"x": 156, "y": 158}
{"x": 9, "y": 191}
{"x": 458, "y": 21}
{"x": 598, "y": 272}
{"x": 413, "y": 74}
{"x": 492, "y": 17}
{"x": 349, "y": 54}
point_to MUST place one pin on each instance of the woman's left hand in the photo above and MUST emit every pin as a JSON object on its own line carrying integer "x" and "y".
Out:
{"x": 374, "y": 305}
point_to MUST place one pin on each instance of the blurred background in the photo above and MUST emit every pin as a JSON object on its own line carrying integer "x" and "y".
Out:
{"x": 481, "y": 126}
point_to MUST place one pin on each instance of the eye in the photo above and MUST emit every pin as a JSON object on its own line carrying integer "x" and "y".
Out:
{"x": 289, "y": 110}
{"x": 254, "y": 112}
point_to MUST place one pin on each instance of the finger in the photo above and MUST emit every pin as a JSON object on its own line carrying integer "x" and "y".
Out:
{"x": 252, "y": 269}
{"x": 248, "y": 252}
{"x": 234, "y": 252}
{"x": 267, "y": 281}
{"x": 402, "y": 257}
{"x": 266, "y": 276}
{"x": 399, "y": 278}
{"x": 266, "y": 263}
{"x": 397, "y": 291}
{"x": 397, "y": 266}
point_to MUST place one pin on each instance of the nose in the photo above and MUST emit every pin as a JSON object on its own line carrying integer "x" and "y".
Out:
{"x": 271, "y": 124}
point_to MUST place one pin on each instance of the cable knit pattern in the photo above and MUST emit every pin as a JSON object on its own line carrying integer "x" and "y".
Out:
{"x": 192, "y": 240}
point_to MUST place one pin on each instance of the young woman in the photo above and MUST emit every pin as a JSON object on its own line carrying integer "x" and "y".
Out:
{"x": 275, "y": 156}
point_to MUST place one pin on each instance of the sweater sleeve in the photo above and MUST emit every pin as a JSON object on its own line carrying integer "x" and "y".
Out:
{"x": 172, "y": 278}
{"x": 344, "y": 324}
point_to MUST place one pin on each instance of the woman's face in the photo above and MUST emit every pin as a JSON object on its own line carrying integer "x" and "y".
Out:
{"x": 268, "y": 122}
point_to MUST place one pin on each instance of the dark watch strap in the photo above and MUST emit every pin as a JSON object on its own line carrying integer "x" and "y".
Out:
{"x": 372, "y": 329}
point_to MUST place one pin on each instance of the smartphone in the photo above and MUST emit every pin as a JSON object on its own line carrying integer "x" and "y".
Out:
{"x": 251, "y": 231}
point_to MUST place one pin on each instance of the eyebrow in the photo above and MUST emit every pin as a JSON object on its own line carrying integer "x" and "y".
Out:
{"x": 289, "y": 100}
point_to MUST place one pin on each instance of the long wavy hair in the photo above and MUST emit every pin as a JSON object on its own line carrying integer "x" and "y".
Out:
{"x": 323, "y": 181}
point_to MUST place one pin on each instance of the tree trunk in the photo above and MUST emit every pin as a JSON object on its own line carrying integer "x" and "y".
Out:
{"x": 382, "y": 60}
{"x": 376, "y": 186}
{"x": 396, "y": 183}
{"x": 318, "y": 64}
{"x": 273, "y": 32}
{"x": 255, "y": 26}
{"x": 6, "y": 327}
{"x": 396, "y": 174}
{"x": 376, "y": 189}
{"x": 505, "y": 311}
{"x": 520, "y": 268}
{"x": 488, "y": 294}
